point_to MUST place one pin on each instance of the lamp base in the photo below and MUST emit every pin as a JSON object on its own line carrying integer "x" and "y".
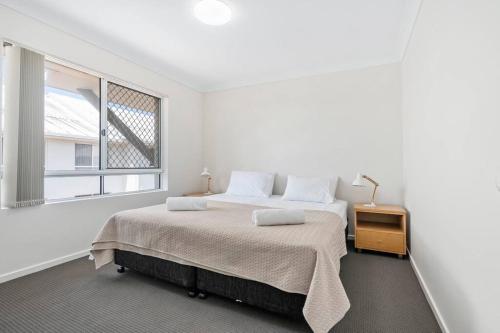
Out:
{"x": 371, "y": 204}
{"x": 208, "y": 193}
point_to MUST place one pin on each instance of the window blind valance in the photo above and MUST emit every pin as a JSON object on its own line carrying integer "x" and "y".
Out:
{"x": 24, "y": 128}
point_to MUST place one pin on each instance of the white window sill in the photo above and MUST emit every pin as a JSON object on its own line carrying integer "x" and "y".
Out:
{"x": 96, "y": 197}
{"x": 102, "y": 196}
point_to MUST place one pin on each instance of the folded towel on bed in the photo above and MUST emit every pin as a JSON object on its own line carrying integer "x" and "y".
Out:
{"x": 186, "y": 203}
{"x": 262, "y": 217}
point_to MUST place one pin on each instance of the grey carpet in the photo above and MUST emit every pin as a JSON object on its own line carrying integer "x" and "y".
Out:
{"x": 384, "y": 293}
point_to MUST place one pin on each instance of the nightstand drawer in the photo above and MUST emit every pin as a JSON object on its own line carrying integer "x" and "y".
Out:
{"x": 381, "y": 241}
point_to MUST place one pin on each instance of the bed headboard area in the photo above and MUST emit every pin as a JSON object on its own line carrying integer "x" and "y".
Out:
{"x": 311, "y": 127}
{"x": 221, "y": 182}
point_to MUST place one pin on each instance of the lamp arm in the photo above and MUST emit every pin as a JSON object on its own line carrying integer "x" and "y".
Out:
{"x": 370, "y": 180}
{"x": 208, "y": 189}
{"x": 373, "y": 194}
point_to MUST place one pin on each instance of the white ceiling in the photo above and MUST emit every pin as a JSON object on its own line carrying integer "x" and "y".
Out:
{"x": 267, "y": 40}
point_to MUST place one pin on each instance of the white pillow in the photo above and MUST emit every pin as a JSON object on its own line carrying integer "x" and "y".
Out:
{"x": 310, "y": 189}
{"x": 251, "y": 184}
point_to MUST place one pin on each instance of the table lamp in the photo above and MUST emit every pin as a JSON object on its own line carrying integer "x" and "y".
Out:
{"x": 205, "y": 173}
{"x": 359, "y": 182}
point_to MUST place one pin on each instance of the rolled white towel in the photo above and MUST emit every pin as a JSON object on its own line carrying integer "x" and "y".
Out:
{"x": 262, "y": 217}
{"x": 186, "y": 203}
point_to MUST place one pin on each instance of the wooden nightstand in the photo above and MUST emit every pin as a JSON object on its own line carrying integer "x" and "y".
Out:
{"x": 197, "y": 194}
{"x": 381, "y": 228}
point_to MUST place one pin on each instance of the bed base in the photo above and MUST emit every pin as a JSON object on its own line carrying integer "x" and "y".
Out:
{"x": 250, "y": 292}
{"x": 200, "y": 282}
{"x": 181, "y": 275}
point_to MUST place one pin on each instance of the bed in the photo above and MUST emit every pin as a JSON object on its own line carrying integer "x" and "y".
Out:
{"x": 287, "y": 269}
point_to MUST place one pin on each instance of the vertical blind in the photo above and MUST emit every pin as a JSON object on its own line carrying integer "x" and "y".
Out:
{"x": 24, "y": 128}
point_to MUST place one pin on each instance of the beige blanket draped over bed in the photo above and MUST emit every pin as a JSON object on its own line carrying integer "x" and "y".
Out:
{"x": 301, "y": 259}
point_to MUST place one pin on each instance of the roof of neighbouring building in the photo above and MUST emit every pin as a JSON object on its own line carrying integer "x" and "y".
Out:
{"x": 69, "y": 115}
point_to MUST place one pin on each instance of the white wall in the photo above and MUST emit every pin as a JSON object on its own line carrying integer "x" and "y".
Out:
{"x": 451, "y": 114}
{"x": 333, "y": 124}
{"x": 60, "y": 153}
{"x": 29, "y": 236}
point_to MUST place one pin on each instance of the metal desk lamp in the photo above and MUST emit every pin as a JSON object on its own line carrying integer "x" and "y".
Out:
{"x": 205, "y": 173}
{"x": 359, "y": 182}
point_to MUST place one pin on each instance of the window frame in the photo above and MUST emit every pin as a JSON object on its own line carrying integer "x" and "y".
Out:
{"x": 103, "y": 170}
{"x": 104, "y": 120}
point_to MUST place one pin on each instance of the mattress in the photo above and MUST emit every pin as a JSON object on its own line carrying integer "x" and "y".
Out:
{"x": 338, "y": 207}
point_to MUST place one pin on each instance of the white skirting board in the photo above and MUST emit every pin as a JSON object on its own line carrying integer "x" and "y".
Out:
{"x": 428, "y": 295}
{"x": 43, "y": 265}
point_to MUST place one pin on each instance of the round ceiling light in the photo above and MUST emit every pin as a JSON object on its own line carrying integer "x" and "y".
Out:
{"x": 212, "y": 12}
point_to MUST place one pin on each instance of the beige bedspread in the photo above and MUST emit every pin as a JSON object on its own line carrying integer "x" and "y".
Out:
{"x": 301, "y": 259}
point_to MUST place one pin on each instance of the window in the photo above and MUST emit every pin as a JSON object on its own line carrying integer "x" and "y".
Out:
{"x": 83, "y": 156}
{"x": 70, "y": 117}
{"x": 100, "y": 137}
{"x": 61, "y": 187}
{"x": 129, "y": 183}
{"x": 133, "y": 129}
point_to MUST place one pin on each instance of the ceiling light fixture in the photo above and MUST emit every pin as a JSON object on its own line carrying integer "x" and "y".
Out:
{"x": 212, "y": 12}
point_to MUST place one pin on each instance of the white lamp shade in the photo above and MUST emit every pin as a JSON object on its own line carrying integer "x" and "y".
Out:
{"x": 358, "y": 181}
{"x": 205, "y": 172}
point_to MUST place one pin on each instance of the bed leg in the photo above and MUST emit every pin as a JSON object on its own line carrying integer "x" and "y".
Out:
{"x": 191, "y": 292}
{"x": 121, "y": 269}
{"x": 202, "y": 294}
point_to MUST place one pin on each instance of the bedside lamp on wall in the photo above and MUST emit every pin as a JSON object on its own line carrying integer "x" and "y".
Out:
{"x": 206, "y": 174}
{"x": 359, "y": 182}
